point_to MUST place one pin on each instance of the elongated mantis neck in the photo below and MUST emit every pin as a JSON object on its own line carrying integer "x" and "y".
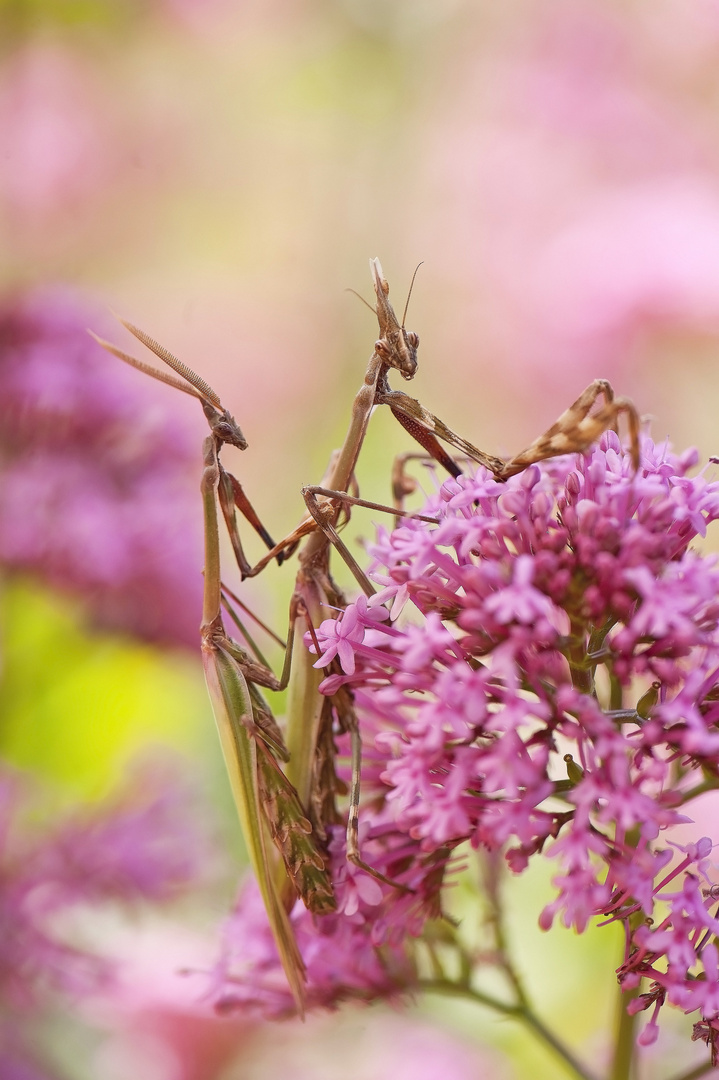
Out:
{"x": 212, "y": 595}
{"x": 362, "y": 405}
{"x": 340, "y": 477}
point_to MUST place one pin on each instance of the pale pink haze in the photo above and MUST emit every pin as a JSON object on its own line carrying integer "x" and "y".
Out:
{"x": 590, "y": 192}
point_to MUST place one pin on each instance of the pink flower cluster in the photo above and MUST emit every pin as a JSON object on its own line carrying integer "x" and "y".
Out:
{"x": 539, "y": 674}
{"x": 98, "y": 482}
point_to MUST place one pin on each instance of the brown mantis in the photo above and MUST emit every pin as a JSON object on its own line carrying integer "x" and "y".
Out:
{"x": 573, "y": 432}
{"x": 273, "y": 801}
{"x": 267, "y": 804}
{"x": 310, "y": 715}
{"x": 309, "y": 724}
{"x": 266, "y": 799}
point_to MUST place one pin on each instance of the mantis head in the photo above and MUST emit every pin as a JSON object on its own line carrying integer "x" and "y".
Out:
{"x": 396, "y": 346}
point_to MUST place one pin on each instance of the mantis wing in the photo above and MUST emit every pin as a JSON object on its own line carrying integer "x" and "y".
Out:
{"x": 232, "y": 706}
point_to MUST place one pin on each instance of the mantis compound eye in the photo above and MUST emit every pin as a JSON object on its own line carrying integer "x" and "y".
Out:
{"x": 228, "y": 432}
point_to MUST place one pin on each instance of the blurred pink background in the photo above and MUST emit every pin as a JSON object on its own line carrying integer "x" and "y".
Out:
{"x": 220, "y": 172}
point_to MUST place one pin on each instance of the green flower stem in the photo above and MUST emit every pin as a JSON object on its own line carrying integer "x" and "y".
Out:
{"x": 522, "y": 1013}
{"x": 625, "y": 1041}
{"x": 709, "y": 784}
{"x": 491, "y": 884}
{"x": 576, "y": 654}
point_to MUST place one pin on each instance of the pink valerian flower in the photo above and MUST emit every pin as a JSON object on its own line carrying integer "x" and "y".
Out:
{"x": 555, "y": 692}
{"x": 98, "y": 480}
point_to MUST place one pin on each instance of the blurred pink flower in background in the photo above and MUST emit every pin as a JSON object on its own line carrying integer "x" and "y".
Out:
{"x": 398, "y": 1047}
{"x": 54, "y": 149}
{"x": 144, "y": 845}
{"x": 99, "y": 492}
{"x": 164, "y": 1027}
{"x": 649, "y": 252}
{"x": 586, "y": 196}
{"x": 210, "y": 18}
{"x": 155, "y": 1019}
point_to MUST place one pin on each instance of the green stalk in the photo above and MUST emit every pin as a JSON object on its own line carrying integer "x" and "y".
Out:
{"x": 521, "y": 1012}
{"x": 625, "y": 1037}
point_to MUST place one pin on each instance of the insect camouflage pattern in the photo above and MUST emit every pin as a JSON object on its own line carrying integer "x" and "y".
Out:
{"x": 285, "y": 789}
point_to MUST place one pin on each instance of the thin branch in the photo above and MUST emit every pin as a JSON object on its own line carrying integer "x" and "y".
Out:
{"x": 518, "y": 1012}
{"x": 492, "y": 878}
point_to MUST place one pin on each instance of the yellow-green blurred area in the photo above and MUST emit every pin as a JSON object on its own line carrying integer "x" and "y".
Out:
{"x": 219, "y": 172}
{"x": 77, "y": 708}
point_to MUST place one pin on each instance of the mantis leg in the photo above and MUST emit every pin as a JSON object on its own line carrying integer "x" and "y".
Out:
{"x": 404, "y": 484}
{"x": 421, "y": 423}
{"x": 575, "y": 430}
{"x": 323, "y": 513}
{"x": 578, "y": 427}
{"x": 231, "y": 496}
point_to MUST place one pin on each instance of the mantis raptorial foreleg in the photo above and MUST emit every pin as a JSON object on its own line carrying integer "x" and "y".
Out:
{"x": 578, "y": 427}
{"x": 223, "y": 426}
{"x": 575, "y": 430}
{"x": 322, "y": 513}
